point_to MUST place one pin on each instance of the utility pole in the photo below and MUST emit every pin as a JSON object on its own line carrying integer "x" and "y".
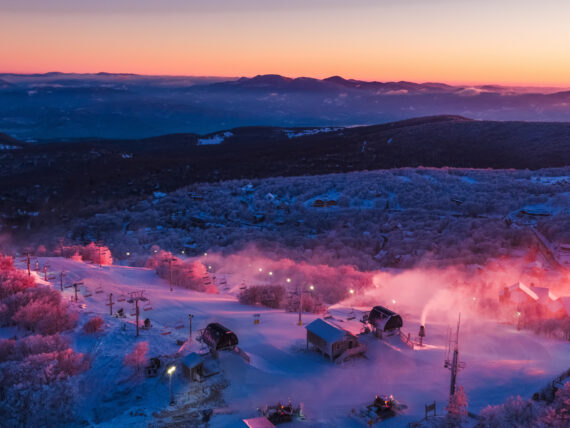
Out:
{"x": 28, "y": 262}
{"x": 75, "y": 285}
{"x": 61, "y": 280}
{"x": 190, "y": 316}
{"x": 135, "y": 297}
{"x": 300, "y": 305}
{"x": 170, "y": 272}
{"x": 454, "y": 365}
{"x": 110, "y": 304}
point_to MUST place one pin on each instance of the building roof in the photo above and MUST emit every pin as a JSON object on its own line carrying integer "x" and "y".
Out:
{"x": 327, "y": 331}
{"x": 192, "y": 360}
{"x": 384, "y": 310}
{"x": 518, "y": 291}
{"x": 261, "y": 422}
{"x": 544, "y": 294}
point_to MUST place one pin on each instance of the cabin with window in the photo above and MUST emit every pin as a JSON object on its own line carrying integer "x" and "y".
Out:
{"x": 218, "y": 337}
{"x": 332, "y": 341}
{"x": 384, "y": 320}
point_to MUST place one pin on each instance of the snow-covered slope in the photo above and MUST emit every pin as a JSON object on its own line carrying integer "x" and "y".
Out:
{"x": 500, "y": 361}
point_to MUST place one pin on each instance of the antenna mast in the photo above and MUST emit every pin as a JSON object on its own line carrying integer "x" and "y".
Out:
{"x": 454, "y": 365}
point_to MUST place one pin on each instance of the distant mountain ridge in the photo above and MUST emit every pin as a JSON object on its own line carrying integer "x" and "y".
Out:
{"x": 126, "y": 106}
{"x": 309, "y": 83}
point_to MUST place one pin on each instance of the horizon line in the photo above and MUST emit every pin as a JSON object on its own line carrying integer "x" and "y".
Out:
{"x": 450, "y": 83}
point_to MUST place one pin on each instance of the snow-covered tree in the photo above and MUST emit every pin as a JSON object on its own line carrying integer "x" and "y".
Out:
{"x": 93, "y": 325}
{"x": 137, "y": 358}
{"x": 516, "y": 412}
{"x": 45, "y": 313}
{"x": 457, "y": 407}
{"x": 12, "y": 280}
{"x": 557, "y": 415}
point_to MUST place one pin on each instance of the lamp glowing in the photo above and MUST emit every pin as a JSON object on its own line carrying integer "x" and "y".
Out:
{"x": 171, "y": 370}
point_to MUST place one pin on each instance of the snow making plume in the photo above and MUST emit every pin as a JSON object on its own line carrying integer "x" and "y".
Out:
{"x": 424, "y": 315}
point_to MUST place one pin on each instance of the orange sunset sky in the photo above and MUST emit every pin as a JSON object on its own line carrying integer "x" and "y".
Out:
{"x": 456, "y": 41}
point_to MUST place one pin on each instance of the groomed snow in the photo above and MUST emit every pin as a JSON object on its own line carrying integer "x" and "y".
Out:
{"x": 8, "y": 147}
{"x": 565, "y": 179}
{"x": 214, "y": 139}
{"x": 295, "y": 134}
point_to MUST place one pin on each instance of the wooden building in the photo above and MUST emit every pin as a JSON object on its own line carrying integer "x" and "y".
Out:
{"x": 332, "y": 341}
{"x": 192, "y": 367}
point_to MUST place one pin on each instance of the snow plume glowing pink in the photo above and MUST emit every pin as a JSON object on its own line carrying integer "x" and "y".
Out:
{"x": 438, "y": 294}
{"x": 253, "y": 267}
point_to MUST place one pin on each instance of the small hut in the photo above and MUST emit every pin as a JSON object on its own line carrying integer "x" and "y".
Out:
{"x": 384, "y": 320}
{"x": 152, "y": 369}
{"x": 218, "y": 337}
{"x": 192, "y": 367}
{"x": 331, "y": 340}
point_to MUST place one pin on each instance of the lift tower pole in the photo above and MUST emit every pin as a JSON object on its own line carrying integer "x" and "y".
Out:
{"x": 135, "y": 297}
{"x": 454, "y": 365}
{"x": 75, "y": 285}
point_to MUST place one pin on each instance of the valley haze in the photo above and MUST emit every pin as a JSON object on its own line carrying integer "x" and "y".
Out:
{"x": 105, "y": 105}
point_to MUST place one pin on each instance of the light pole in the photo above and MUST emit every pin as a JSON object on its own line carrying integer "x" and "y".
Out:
{"x": 301, "y": 291}
{"x": 171, "y": 370}
{"x": 351, "y": 291}
{"x": 300, "y": 305}
{"x": 170, "y": 260}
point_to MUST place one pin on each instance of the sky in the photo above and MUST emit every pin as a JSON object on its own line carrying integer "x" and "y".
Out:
{"x": 522, "y": 42}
